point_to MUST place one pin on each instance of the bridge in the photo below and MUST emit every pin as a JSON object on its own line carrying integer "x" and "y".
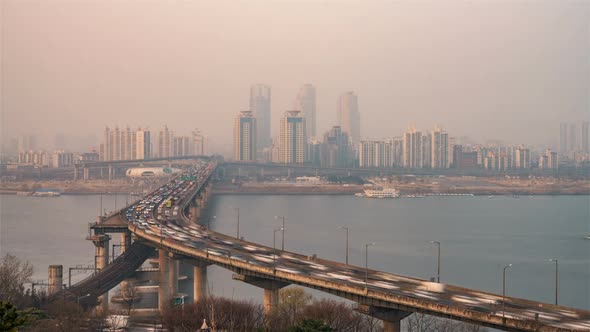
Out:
{"x": 113, "y": 165}
{"x": 175, "y": 233}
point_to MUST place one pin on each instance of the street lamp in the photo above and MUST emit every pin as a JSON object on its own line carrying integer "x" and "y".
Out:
{"x": 209, "y": 222}
{"x": 367, "y": 262}
{"x": 238, "y": 222}
{"x": 556, "y": 278}
{"x": 274, "y": 244}
{"x": 504, "y": 291}
{"x": 438, "y": 261}
{"x": 283, "y": 228}
{"x": 81, "y": 297}
{"x": 345, "y": 228}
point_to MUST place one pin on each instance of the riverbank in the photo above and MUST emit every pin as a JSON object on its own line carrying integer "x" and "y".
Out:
{"x": 406, "y": 186}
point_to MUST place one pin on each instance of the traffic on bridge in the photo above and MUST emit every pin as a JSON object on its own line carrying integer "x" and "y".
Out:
{"x": 160, "y": 219}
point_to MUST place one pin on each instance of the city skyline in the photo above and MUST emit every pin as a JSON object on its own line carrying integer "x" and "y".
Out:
{"x": 401, "y": 76}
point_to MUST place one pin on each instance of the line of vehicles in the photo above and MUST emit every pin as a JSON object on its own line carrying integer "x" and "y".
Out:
{"x": 160, "y": 214}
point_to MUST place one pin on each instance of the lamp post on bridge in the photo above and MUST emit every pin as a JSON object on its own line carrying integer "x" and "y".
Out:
{"x": 367, "y": 263}
{"x": 556, "y": 278}
{"x": 438, "y": 261}
{"x": 238, "y": 222}
{"x": 504, "y": 291}
{"x": 274, "y": 244}
{"x": 347, "y": 229}
{"x": 283, "y": 228}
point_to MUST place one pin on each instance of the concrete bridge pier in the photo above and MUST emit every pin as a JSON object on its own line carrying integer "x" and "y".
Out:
{"x": 271, "y": 290}
{"x": 194, "y": 212}
{"x": 76, "y": 170}
{"x": 167, "y": 278}
{"x": 102, "y": 173}
{"x": 110, "y": 172}
{"x": 199, "y": 281}
{"x": 125, "y": 243}
{"x": 86, "y": 173}
{"x": 163, "y": 289}
{"x": 101, "y": 257}
{"x": 391, "y": 318}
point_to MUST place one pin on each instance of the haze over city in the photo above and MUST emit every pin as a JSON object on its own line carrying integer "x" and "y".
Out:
{"x": 481, "y": 69}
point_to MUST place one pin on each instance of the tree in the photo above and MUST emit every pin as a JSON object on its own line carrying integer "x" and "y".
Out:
{"x": 14, "y": 274}
{"x": 292, "y": 301}
{"x": 10, "y": 318}
{"x": 311, "y": 325}
{"x": 129, "y": 295}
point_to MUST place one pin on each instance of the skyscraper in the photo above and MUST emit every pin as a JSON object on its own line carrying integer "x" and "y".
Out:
{"x": 143, "y": 143}
{"x": 245, "y": 135}
{"x": 198, "y": 145}
{"x": 523, "y": 158}
{"x": 305, "y": 102}
{"x": 563, "y": 147}
{"x": 375, "y": 154}
{"x": 413, "y": 148}
{"x": 440, "y": 148}
{"x": 349, "y": 117}
{"x": 165, "y": 143}
{"x": 335, "y": 151}
{"x": 292, "y": 138}
{"x": 572, "y": 138}
{"x": 260, "y": 106}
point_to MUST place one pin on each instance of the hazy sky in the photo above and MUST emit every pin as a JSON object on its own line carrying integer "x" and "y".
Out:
{"x": 499, "y": 69}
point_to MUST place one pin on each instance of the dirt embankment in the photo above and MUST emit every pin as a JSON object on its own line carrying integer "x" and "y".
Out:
{"x": 458, "y": 185}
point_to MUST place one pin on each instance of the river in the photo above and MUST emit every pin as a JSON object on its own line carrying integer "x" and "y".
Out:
{"x": 478, "y": 236}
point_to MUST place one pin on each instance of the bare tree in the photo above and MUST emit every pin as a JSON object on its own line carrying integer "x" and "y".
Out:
{"x": 14, "y": 274}
{"x": 129, "y": 295}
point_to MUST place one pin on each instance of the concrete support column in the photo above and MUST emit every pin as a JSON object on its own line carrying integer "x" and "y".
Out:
{"x": 101, "y": 173}
{"x": 172, "y": 277}
{"x": 199, "y": 282}
{"x": 271, "y": 299}
{"x": 391, "y": 317}
{"x": 110, "y": 172}
{"x": 163, "y": 289}
{"x": 55, "y": 278}
{"x": 271, "y": 290}
{"x": 86, "y": 173}
{"x": 101, "y": 242}
{"x": 76, "y": 169}
{"x": 125, "y": 241}
{"x": 392, "y": 326}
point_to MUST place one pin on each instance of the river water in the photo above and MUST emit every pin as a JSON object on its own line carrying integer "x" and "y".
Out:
{"x": 478, "y": 235}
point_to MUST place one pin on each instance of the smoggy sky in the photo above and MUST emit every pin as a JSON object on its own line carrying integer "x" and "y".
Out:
{"x": 509, "y": 70}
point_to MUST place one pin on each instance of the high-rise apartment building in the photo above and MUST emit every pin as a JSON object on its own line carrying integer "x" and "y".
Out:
{"x": 375, "y": 154}
{"x": 563, "y": 137}
{"x": 120, "y": 144}
{"x": 349, "y": 118}
{"x": 199, "y": 147}
{"x": 27, "y": 143}
{"x": 426, "y": 150}
{"x": 292, "y": 138}
{"x": 305, "y": 102}
{"x": 413, "y": 148}
{"x": 549, "y": 160}
{"x": 336, "y": 151}
{"x": 440, "y": 148}
{"x": 572, "y": 138}
{"x": 260, "y": 106}
{"x": 182, "y": 146}
{"x": 397, "y": 151}
{"x": 245, "y": 135}
{"x": 165, "y": 143}
{"x": 585, "y": 142}
{"x": 523, "y": 158}
{"x": 62, "y": 159}
{"x": 143, "y": 143}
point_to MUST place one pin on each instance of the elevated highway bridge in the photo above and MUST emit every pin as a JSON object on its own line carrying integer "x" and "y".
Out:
{"x": 389, "y": 297}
